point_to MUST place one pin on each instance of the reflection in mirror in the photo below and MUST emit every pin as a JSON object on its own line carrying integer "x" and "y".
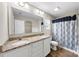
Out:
{"x": 24, "y": 23}
{"x": 19, "y": 27}
{"x": 28, "y": 27}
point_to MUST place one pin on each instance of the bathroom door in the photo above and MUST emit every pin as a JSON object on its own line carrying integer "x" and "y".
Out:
{"x": 28, "y": 27}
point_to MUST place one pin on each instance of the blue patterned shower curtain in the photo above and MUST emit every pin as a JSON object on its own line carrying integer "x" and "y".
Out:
{"x": 65, "y": 32}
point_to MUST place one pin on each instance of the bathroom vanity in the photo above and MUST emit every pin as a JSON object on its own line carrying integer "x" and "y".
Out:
{"x": 36, "y": 46}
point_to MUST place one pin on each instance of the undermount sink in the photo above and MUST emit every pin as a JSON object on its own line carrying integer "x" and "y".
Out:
{"x": 21, "y": 42}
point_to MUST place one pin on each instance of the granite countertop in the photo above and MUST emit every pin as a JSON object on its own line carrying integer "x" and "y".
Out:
{"x": 15, "y": 36}
{"x": 9, "y": 45}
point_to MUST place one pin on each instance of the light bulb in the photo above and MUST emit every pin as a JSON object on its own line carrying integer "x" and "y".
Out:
{"x": 22, "y": 4}
{"x": 56, "y": 9}
{"x": 26, "y": 6}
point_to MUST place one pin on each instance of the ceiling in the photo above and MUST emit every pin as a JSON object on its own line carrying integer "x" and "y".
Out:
{"x": 65, "y": 7}
{"x": 28, "y": 15}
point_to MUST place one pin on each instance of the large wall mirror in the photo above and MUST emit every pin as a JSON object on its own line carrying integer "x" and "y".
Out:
{"x": 21, "y": 22}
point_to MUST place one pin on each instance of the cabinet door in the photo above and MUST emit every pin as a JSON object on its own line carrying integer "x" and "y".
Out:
{"x": 1, "y": 55}
{"x": 37, "y": 49}
{"x": 47, "y": 46}
{"x": 18, "y": 52}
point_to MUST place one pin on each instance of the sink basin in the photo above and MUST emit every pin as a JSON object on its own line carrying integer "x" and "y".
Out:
{"x": 21, "y": 42}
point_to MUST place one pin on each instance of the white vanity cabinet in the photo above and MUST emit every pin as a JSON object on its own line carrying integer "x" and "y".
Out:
{"x": 41, "y": 48}
{"x": 35, "y": 49}
{"x": 23, "y": 51}
{"x": 47, "y": 46}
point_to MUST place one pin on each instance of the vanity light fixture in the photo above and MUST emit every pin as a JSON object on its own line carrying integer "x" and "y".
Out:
{"x": 37, "y": 11}
{"x": 57, "y": 9}
{"x": 22, "y": 4}
{"x": 41, "y": 12}
{"x": 26, "y": 6}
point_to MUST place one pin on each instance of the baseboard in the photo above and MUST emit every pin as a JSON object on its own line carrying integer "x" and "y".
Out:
{"x": 70, "y": 50}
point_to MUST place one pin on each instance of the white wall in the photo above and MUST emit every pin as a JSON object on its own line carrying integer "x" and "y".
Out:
{"x": 3, "y": 23}
{"x": 11, "y": 20}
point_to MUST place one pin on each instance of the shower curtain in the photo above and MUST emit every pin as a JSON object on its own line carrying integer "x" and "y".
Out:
{"x": 64, "y": 31}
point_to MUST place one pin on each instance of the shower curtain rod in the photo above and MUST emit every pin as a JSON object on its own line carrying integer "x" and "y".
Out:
{"x": 66, "y": 15}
